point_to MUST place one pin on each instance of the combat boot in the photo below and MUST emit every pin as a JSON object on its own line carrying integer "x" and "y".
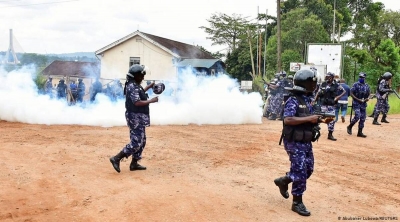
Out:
{"x": 349, "y": 127}
{"x": 383, "y": 120}
{"x": 266, "y": 115}
{"x": 272, "y": 116}
{"x": 330, "y": 136}
{"x": 299, "y": 207}
{"x": 282, "y": 183}
{"x": 135, "y": 165}
{"x": 375, "y": 122}
{"x": 115, "y": 160}
{"x": 360, "y": 133}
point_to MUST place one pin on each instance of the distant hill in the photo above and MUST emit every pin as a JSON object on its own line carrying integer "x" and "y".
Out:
{"x": 75, "y": 54}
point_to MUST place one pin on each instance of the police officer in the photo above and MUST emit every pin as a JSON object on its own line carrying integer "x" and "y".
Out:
{"x": 271, "y": 95}
{"x": 290, "y": 81}
{"x": 81, "y": 90}
{"x": 137, "y": 117}
{"x": 299, "y": 131}
{"x": 327, "y": 97}
{"x": 277, "y": 100}
{"x": 360, "y": 92}
{"x": 61, "y": 89}
{"x": 382, "y": 94}
{"x": 96, "y": 87}
{"x": 49, "y": 87}
{"x": 74, "y": 91}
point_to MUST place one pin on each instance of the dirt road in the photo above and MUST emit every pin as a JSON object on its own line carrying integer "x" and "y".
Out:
{"x": 195, "y": 173}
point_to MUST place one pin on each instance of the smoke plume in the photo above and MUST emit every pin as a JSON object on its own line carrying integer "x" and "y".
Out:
{"x": 194, "y": 100}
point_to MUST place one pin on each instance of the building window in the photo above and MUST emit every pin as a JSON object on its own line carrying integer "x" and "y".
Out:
{"x": 134, "y": 60}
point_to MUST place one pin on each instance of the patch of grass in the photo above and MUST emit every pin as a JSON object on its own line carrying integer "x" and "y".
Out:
{"x": 394, "y": 103}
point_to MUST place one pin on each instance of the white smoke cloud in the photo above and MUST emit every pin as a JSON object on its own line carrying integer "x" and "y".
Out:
{"x": 205, "y": 100}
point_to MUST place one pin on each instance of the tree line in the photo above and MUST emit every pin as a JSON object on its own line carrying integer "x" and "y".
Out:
{"x": 372, "y": 43}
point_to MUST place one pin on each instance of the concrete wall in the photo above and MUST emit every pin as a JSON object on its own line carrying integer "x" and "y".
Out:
{"x": 115, "y": 61}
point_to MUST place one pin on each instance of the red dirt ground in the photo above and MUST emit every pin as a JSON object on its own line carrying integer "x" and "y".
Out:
{"x": 195, "y": 173}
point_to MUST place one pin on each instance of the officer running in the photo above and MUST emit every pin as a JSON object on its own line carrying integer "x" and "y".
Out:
{"x": 300, "y": 129}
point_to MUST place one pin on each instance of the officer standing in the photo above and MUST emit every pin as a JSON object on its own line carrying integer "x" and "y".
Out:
{"x": 277, "y": 100}
{"x": 382, "y": 95}
{"x": 97, "y": 87}
{"x": 270, "y": 98}
{"x": 61, "y": 89}
{"x": 327, "y": 96}
{"x": 137, "y": 117}
{"x": 74, "y": 91}
{"x": 299, "y": 131}
{"x": 49, "y": 87}
{"x": 360, "y": 92}
{"x": 81, "y": 90}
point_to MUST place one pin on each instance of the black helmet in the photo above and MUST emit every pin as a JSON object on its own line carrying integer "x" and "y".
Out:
{"x": 158, "y": 88}
{"x": 283, "y": 73}
{"x": 362, "y": 75}
{"x": 387, "y": 75}
{"x": 136, "y": 69}
{"x": 79, "y": 80}
{"x": 304, "y": 81}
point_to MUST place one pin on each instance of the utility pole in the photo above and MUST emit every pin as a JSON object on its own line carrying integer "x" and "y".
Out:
{"x": 278, "y": 35}
{"x": 265, "y": 41}
{"x": 334, "y": 17}
{"x": 257, "y": 42}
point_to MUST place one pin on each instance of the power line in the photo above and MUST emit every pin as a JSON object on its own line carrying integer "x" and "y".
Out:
{"x": 46, "y": 3}
{"x": 9, "y": 0}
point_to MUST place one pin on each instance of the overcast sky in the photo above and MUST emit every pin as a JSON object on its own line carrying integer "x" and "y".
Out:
{"x": 64, "y": 26}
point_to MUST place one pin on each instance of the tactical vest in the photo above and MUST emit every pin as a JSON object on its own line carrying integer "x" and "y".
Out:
{"x": 137, "y": 109}
{"x": 302, "y": 132}
{"x": 327, "y": 96}
{"x": 385, "y": 87}
{"x": 360, "y": 94}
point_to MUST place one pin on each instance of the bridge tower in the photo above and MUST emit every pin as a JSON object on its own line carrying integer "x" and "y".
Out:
{"x": 11, "y": 56}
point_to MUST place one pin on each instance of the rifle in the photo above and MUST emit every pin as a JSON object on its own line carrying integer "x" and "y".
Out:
{"x": 394, "y": 91}
{"x": 318, "y": 111}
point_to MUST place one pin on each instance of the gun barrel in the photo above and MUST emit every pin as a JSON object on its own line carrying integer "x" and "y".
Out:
{"x": 394, "y": 91}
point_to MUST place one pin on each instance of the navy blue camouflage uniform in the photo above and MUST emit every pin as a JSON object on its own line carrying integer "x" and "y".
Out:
{"x": 360, "y": 91}
{"x": 300, "y": 153}
{"x": 382, "y": 94}
{"x": 137, "y": 123}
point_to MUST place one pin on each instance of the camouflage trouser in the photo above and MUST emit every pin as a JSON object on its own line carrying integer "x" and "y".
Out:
{"x": 137, "y": 134}
{"x": 276, "y": 104}
{"x": 301, "y": 165}
{"x": 270, "y": 107}
{"x": 381, "y": 106}
{"x": 360, "y": 113}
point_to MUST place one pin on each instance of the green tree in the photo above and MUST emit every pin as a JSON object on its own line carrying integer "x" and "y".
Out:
{"x": 390, "y": 25}
{"x": 226, "y": 30}
{"x": 298, "y": 28}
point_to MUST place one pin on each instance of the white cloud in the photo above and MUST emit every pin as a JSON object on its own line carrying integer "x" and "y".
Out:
{"x": 88, "y": 25}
